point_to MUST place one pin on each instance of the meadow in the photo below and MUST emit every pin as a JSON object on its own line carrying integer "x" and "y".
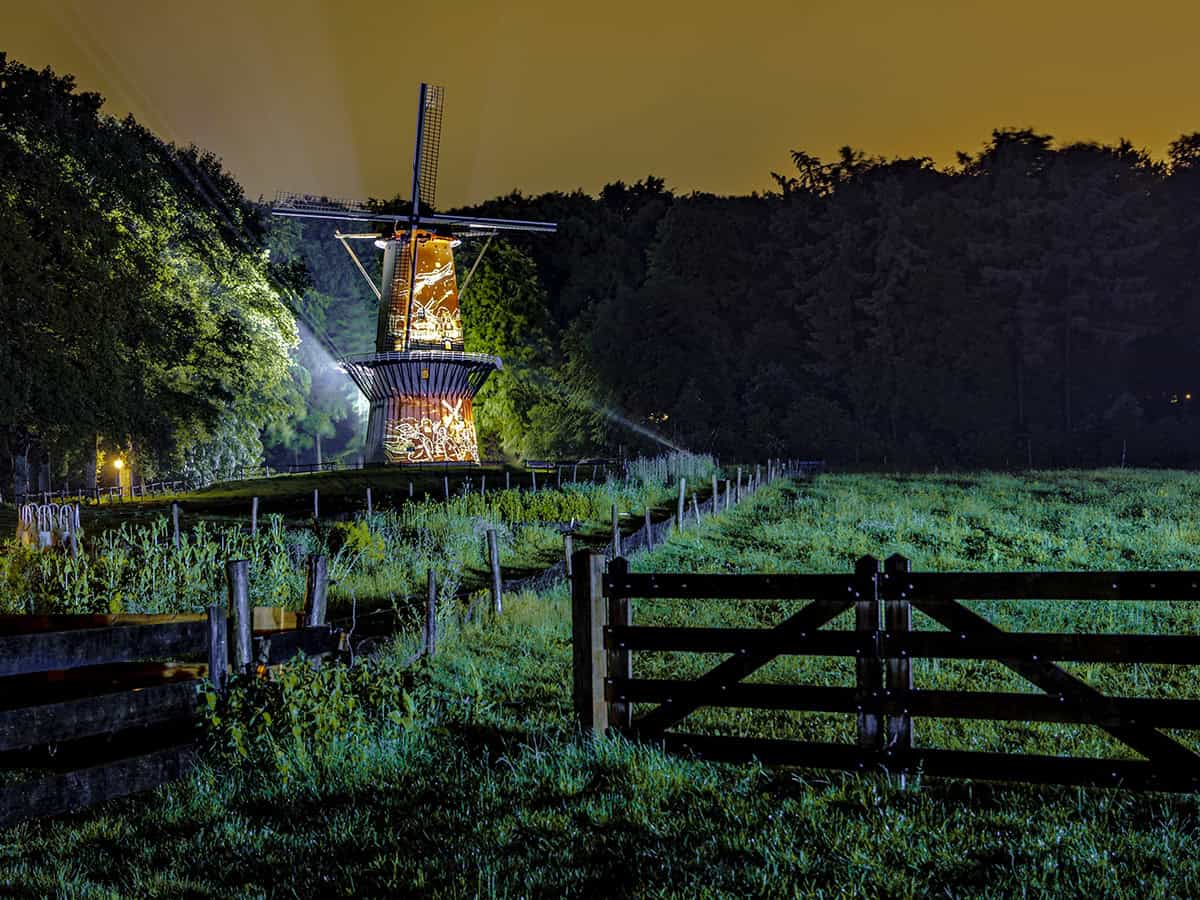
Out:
{"x": 464, "y": 775}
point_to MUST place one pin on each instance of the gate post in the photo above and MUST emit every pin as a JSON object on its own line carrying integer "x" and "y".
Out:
{"x": 868, "y": 666}
{"x": 619, "y": 662}
{"x": 590, "y": 660}
{"x": 897, "y": 608}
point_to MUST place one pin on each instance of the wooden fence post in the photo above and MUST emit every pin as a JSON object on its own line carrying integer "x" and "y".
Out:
{"x": 370, "y": 506}
{"x": 696, "y": 509}
{"x": 316, "y": 504}
{"x": 649, "y": 531}
{"x": 316, "y": 588}
{"x": 716, "y": 495}
{"x": 533, "y": 472}
{"x": 569, "y": 550}
{"x": 590, "y": 661}
{"x": 507, "y": 479}
{"x": 738, "y": 496}
{"x": 494, "y": 561}
{"x": 218, "y": 648}
{"x": 253, "y": 516}
{"x": 619, "y": 661}
{"x": 410, "y": 490}
{"x": 175, "y": 525}
{"x": 237, "y": 577}
{"x": 897, "y": 610}
{"x": 482, "y": 484}
{"x": 446, "y": 487}
{"x": 728, "y": 493}
{"x": 868, "y": 666}
{"x": 558, "y": 475}
{"x": 616, "y": 532}
{"x": 431, "y": 615}
{"x": 680, "y": 508}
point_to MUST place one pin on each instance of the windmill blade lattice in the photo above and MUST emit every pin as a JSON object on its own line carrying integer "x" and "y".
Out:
{"x": 431, "y": 141}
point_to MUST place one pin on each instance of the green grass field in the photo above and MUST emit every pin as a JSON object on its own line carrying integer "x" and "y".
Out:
{"x": 464, "y": 776}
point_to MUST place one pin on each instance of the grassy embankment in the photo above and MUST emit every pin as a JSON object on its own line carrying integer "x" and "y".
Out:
{"x": 377, "y": 560}
{"x": 463, "y": 775}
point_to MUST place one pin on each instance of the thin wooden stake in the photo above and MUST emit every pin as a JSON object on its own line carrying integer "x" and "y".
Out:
{"x": 237, "y": 576}
{"x": 175, "y": 525}
{"x": 679, "y": 509}
{"x": 494, "y": 561}
{"x": 738, "y": 496}
{"x": 446, "y": 487}
{"x": 316, "y": 504}
{"x": 649, "y": 531}
{"x": 410, "y": 490}
{"x": 616, "y": 531}
{"x": 533, "y": 472}
{"x": 696, "y": 509}
{"x": 316, "y": 586}
{"x": 568, "y": 550}
{"x": 716, "y": 495}
{"x": 253, "y": 516}
{"x": 370, "y": 506}
{"x": 218, "y": 649}
{"x": 507, "y": 480}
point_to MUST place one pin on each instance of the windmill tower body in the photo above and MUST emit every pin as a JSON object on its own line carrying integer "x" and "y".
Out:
{"x": 420, "y": 382}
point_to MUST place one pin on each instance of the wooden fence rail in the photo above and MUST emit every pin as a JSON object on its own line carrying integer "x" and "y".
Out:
{"x": 883, "y": 644}
{"x": 123, "y": 698}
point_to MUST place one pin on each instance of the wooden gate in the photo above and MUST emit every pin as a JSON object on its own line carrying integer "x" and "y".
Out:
{"x": 883, "y": 644}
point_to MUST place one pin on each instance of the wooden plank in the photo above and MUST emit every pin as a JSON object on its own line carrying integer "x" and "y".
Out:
{"x": 276, "y": 649}
{"x": 868, "y": 667}
{"x": 992, "y": 705}
{"x": 734, "y": 669}
{"x": 897, "y": 613}
{"x": 274, "y": 618}
{"x": 13, "y": 624}
{"x": 933, "y": 762}
{"x": 733, "y": 640}
{"x": 729, "y": 587}
{"x": 31, "y": 725}
{"x": 69, "y": 684}
{"x": 28, "y": 653}
{"x": 619, "y": 663}
{"x": 1175, "y": 760}
{"x": 87, "y": 787}
{"x": 589, "y": 658}
{"x": 1055, "y": 585}
{"x": 801, "y": 697}
{"x": 1122, "y": 648}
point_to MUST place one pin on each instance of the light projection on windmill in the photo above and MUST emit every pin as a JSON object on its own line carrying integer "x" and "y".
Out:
{"x": 420, "y": 382}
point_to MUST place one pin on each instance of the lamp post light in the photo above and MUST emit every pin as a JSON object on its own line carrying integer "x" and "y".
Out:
{"x": 124, "y": 477}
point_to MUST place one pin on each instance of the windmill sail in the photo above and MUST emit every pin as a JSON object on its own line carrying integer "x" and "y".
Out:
{"x": 429, "y": 143}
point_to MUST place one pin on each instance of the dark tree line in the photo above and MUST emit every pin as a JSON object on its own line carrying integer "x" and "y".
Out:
{"x": 1031, "y": 303}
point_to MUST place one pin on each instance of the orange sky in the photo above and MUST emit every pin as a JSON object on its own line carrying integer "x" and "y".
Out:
{"x": 320, "y": 96}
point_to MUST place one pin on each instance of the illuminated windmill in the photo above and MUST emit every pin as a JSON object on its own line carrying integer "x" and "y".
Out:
{"x": 420, "y": 381}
